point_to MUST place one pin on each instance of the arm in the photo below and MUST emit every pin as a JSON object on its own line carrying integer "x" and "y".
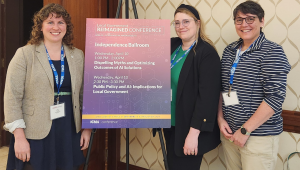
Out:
{"x": 81, "y": 88}
{"x": 13, "y": 96}
{"x": 206, "y": 106}
{"x": 22, "y": 148}
{"x": 14, "y": 88}
{"x": 275, "y": 68}
{"x": 223, "y": 125}
{"x": 86, "y": 133}
{"x": 11, "y": 127}
{"x": 261, "y": 115}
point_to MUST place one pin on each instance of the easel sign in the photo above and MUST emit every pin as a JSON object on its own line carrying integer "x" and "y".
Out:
{"x": 127, "y": 74}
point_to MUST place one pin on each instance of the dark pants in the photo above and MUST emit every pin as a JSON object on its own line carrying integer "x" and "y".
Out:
{"x": 27, "y": 166}
{"x": 175, "y": 162}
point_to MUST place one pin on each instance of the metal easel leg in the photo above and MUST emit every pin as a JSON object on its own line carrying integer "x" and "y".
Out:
{"x": 119, "y": 9}
{"x": 162, "y": 143}
{"x": 134, "y": 9}
{"x": 127, "y": 17}
{"x": 89, "y": 150}
{"x": 127, "y": 148}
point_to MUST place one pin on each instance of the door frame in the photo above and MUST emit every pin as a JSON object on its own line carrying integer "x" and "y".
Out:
{"x": 2, "y": 70}
{"x": 10, "y": 10}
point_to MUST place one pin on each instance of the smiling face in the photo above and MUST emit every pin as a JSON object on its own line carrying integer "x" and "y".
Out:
{"x": 188, "y": 32}
{"x": 249, "y": 32}
{"x": 54, "y": 29}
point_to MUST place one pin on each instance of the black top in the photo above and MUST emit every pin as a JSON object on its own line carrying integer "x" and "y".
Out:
{"x": 197, "y": 98}
{"x": 66, "y": 86}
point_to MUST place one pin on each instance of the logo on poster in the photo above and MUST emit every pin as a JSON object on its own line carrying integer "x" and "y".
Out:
{"x": 94, "y": 121}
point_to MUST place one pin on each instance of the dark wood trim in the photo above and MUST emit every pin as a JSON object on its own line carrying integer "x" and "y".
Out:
{"x": 113, "y": 148}
{"x": 103, "y": 9}
{"x": 291, "y": 121}
{"x": 53, "y": 1}
{"x": 11, "y": 40}
{"x": 112, "y": 8}
{"x": 2, "y": 70}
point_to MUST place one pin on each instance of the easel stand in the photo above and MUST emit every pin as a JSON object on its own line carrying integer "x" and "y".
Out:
{"x": 127, "y": 17}
{"x": 89, "y": 150}
{"x": 163, "y": 149}
{"x": 127, "y": 129}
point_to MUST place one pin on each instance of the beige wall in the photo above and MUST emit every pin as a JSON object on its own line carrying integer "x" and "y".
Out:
{"x": 282, "y": 25}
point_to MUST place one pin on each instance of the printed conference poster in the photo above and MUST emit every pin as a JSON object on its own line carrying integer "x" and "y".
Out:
{"x": 127, "y": 74}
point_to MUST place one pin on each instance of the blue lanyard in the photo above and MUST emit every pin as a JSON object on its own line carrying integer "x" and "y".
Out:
{"x": 187, "y": 51}
{"x": 234, "y": 65}
{"x": 58, "y": 85}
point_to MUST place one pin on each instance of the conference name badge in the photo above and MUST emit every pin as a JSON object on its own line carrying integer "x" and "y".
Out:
{"x": 230, "y": 98}
{"x": 57, "y": 111}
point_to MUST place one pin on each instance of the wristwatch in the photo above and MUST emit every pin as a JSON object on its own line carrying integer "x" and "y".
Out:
{"x": 244, "y": 131}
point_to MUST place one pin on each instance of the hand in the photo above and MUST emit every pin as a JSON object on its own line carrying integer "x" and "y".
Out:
{"x": 224, "y": 128}
{"x": 191, "y": 142}
{"x": 239, "y": 139}
{"x": 85, "y": 138}
{"x": 22, "y": 147}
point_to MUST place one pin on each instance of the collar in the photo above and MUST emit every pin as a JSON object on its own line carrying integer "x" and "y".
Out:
{"x": 176, "y": 41}
{"x": 40, "y": 48}
{"x": 256, "y": 46}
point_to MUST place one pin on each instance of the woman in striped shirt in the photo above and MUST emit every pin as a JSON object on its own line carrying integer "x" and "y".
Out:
{"x": 254, "y": 73}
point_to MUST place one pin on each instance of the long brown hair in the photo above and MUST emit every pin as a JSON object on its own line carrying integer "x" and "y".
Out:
{"x": 37, "y": 35}
{"x": 200, "y": 31}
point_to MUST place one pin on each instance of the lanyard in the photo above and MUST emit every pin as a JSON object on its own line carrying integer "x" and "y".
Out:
{"x": 58, "y": 85}
{"x": 187, "y": 51}
{"x": 234, "y": 65}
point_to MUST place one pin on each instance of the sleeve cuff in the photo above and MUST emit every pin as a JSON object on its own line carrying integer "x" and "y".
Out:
{"x": 274, "y": 105}
{"x": 11, "y": 127}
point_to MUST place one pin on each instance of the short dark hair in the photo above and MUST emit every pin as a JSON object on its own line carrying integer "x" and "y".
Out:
{"x": 249, "y": 7}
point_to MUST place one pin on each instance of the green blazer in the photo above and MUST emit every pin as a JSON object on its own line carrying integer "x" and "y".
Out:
{"x": 29, "y": 88}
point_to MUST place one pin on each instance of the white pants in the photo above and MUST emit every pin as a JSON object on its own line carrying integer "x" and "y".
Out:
{"x": 259, "y": 153}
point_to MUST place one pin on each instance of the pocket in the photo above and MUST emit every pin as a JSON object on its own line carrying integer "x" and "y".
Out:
{"x": 259, "y": 145}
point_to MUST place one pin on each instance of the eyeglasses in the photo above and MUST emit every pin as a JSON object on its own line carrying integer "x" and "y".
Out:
{"x": 249, "y": 20}
{"x": 185, "y": 23}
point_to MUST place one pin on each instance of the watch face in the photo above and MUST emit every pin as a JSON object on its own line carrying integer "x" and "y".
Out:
{"x": 243, "y": 130}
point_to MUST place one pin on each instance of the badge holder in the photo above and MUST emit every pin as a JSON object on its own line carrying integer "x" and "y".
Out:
{"x": 57, "y": 110}
{"x": 230, "y": 97}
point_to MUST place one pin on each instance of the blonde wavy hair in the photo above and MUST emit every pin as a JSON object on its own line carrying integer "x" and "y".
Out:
{"x": 200, "y": 31}
{"x": 37, "y": 35}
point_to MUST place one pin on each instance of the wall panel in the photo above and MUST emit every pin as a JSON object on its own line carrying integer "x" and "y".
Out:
{"x": 79, "y": 11}
{"x": 52, "y": 1}
{"x": 282, "y": 25}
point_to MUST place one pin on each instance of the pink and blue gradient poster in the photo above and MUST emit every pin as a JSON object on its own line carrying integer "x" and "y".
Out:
{"x": 127, "y": 74}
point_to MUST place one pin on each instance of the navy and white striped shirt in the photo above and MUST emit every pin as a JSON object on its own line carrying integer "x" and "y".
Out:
{"x": 260, "y": 76}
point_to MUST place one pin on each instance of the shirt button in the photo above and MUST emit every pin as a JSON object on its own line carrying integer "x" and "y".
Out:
{"x": 75, "y": 107}
{"x": 204, "y": 120}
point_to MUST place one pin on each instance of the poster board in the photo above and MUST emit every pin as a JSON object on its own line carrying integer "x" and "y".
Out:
{"x": 127, "y": 74}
